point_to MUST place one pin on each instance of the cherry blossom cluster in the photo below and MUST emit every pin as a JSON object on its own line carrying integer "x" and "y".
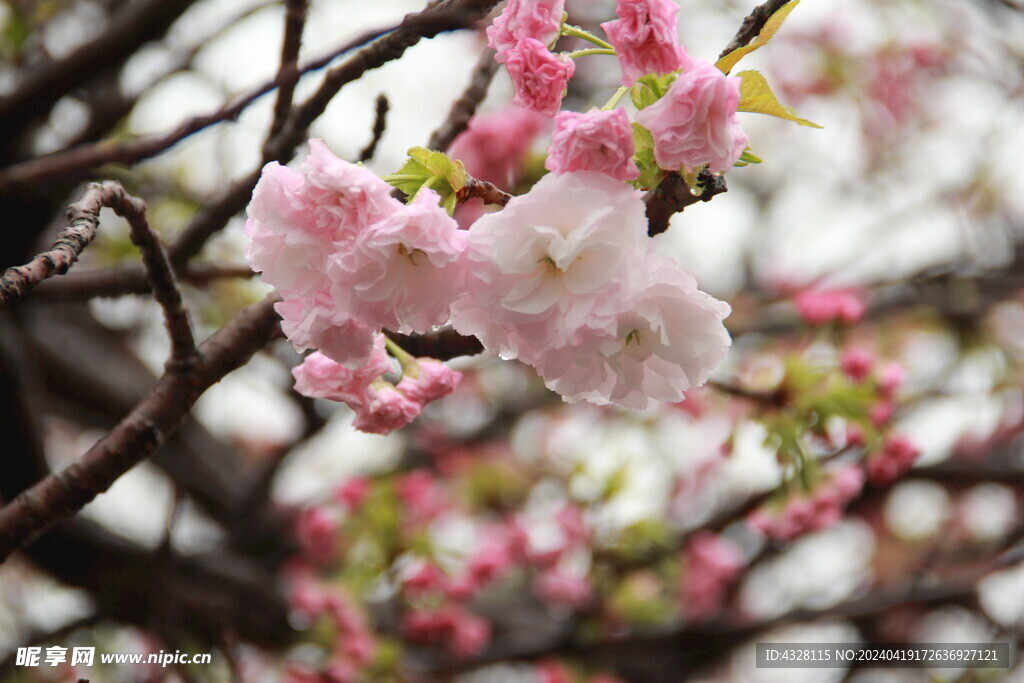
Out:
{"x": 354, "y": 644}
{"x": 694, "y": 124}
{"x": 712, "y": 564}
{"x": 817, "y": 510}
{"x": 564, "y": 278}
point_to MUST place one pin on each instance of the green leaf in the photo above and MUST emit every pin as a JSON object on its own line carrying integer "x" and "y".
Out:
{"x": 433, "y": 170}
{"x": 748, "y": 157}
{"x": 651, "y": 88}
{"x": 650, "y": 173}
{"x": 757, "y": 96}
{"x": 771, "y": 27}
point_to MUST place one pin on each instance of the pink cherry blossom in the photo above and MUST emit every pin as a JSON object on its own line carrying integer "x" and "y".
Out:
{"x": 424, "y": 579}
{"x": 353, "y": 492}
{"x": 667, "y": 342}
{"x": 599, "y": 141}
{"x": 422, "y": 496}
{"x": 434, "y": 381}
{"x": 404, "y": 270}
{"x": 695, "y": 123}
{"x": 896, "y": 458}
{"x": 820, "y": 307}
{"x": 316, "y": 530}
{"x": 318, "y": 322}
{"x": 538, "y": 76}
{"x": 552, "y": 260}
{"x": 560, "y": 587}
{"x": 495, "y": 145}
{"x": 464, "y": 633}
{"x": 712, "y": 563}
{"x": 540, "y": 20}
{"x": 645, "y": 37}
{"x": 385, "y": 409}
{"x": 857, "y": 363}
{"x": 892, "y": 379}
{"x": 320, "y": 377}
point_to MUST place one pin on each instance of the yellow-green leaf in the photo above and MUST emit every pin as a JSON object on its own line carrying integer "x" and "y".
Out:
{"x": 771, "y": 27}
{"x": 757, "y": 96}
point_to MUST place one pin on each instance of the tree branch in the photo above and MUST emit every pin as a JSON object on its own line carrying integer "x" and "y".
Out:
{"x": 74, "y": 163}
{"x": 465, "y": 107}
{"x": 83, "y": 221}
{"x": 137, "y": 24}
{"x": 294, "y": 23}
{"x": 435, "y": 19}
{"x": 160, "y": 277}
{"x": 62, "y": 494}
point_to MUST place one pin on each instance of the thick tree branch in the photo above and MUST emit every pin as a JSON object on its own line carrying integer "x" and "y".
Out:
{"x": 673, "y": 195}
{"x": 83, "y": 221}
{"x": 125, "y": 279}
{"x": 62, "y": 494}
{"x": 465, "y": 107}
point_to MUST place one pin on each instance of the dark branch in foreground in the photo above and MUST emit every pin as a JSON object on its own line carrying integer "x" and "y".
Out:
{"x": 62, "y": 494}
{"x": 83, "y": 221}
{"x": 753, "y": 24}
{"x": 673, "y": 195}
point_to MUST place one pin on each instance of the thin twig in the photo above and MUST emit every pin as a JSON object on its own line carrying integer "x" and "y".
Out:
{"x": 160, "y": 276}
{"x": 489, "y": 192}
{"x": 294, "y": 23}
{"x": 380, "y": 123}
{"x": 75, "y": 162}
{"x": 124, "y": 280}
{"x": 465, "y": 107}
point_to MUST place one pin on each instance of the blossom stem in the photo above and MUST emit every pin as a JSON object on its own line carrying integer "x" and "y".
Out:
{"x": 577, "y": 32}
{"x": 405, "y": 359}
{"x": 590, "y": 51}
{"x": 615, "y": 98}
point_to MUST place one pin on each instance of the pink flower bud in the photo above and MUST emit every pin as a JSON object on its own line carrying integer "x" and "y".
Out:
{"x": 316, "y": 531}
{"x": 435, "y": 381}
{"x": 830, "y": 305}
{"x": 562, "y": 588}
{"x": 538, "y": 76}
{"x": 857, "y": 363}
{"x": 881, "y": 413}
{"x": 386, "y": 409}
{"x": 892, "y": 379}
{"x": 353, "y": 492}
